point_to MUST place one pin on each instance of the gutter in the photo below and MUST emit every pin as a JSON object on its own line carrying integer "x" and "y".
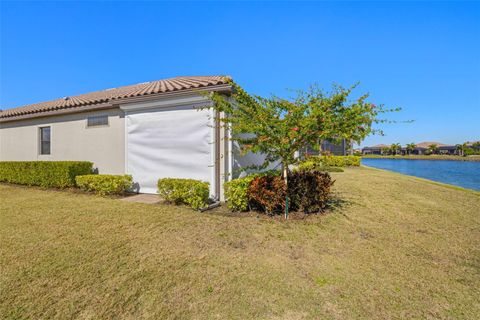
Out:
{"x": 114, "y": 103}
{"x": 58, "y": 112}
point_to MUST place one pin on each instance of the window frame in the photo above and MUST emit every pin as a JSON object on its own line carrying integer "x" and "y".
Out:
{"x": 97, "y": 125}
{"x": 41, "y": 141}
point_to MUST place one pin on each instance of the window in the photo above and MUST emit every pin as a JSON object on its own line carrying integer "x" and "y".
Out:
{"x": 95, "y": 121}
{"x": 45, "y": 140}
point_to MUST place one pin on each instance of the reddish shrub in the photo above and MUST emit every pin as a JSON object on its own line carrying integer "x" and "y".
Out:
{"x": 267, "y": 194}
{"x": 309, "y": 191}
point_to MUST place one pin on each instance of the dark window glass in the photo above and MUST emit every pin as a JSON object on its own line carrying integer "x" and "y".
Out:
{"x": 94, "y": 121}
{"x": 45, "y": 140}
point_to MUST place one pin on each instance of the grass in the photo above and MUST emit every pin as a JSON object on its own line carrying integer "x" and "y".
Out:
{"x": 393, "y": 247}
{"x": 425, "y": 157}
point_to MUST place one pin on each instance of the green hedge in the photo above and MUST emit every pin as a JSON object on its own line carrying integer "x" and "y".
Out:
{"x": 47, "y": 174}
{"x": 333, "y": 161}
{"x": 236, "y": 193}
{"x": 309, "y": 165}
{"x": 340, "y": 161}
{"x": 105, "y": 184}
{"x": 193, "y": 193}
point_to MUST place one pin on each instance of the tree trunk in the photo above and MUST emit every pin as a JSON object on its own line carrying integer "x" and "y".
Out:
{"x": 285, "y": 178}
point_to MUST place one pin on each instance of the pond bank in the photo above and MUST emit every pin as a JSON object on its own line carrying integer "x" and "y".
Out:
{"x": 425, "y": 157}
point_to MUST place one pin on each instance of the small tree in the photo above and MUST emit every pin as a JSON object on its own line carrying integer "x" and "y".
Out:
{"x": 433, "y": 148}
{"x": 395, "y": 148}
{"x": 476, "y": 147}
{"x": 280, "y": 127}
{"x": 410, "y": 147}
{"x": 460, "y": 149}
{"x": 385, "y": 151}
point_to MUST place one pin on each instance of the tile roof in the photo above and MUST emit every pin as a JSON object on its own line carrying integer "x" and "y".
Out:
{"x": 109, "y": 95}
{"x": 426, "y": 144}
{"x": 377, "y": 146}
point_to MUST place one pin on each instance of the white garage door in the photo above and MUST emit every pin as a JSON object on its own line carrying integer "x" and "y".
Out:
{"x": 169, "y": 143}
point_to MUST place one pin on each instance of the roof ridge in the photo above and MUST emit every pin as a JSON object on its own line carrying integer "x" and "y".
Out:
{"x": 121, "y": 92}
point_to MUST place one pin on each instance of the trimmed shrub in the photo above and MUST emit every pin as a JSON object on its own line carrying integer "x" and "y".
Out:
{"x": 267, "y": 193}
{"x": 353, "y": 161}
{"x": 309, "y": 165}
{"x": 47, "y": 174}
{"x": 105, "y": 184}
{"x": 193, "y": 193}
{"x": 339, "y": 161}
{"x": 236, "y": 193}
{"x": 320, "y": 162}
{"x": 309, "y": 191}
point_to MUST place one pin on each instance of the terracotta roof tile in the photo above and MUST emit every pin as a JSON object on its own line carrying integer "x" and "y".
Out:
{"x": 109, "y": 95}
{"x": 377, "y": 146}
{"x": 426, "y": 144}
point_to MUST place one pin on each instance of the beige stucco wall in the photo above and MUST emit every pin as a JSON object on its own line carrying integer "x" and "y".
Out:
{"x": 70, "y": 140}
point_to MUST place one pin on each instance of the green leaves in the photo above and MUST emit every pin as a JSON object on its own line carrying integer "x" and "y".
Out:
{"x": 105, "y": 184}
{"x": 326, "y": 162}
{"x": 47, "y": 174}
{"x": 193, "y": 193}
{"x": 236, "y": 193}
{"x": 280, "y": 127}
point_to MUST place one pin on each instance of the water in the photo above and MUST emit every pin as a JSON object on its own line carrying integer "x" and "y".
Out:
{"x": 464, "y": 174}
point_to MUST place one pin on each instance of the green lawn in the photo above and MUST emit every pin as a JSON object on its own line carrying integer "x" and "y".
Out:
{"x": 395, "y": 247}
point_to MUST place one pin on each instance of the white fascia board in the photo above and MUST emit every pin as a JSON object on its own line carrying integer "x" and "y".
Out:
{"x": 188, "y": 100}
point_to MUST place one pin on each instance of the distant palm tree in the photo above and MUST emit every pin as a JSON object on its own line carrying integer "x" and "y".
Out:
{"x": 462, "y": 149}
{"x": 433, "y": 148}
{"x": 410, "y": 148}
{"x": 385, "y": 150}
{"x": 394, "y": 148}
{"x": 459, "y": 148}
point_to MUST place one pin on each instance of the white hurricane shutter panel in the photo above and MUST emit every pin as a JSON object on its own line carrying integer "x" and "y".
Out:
{"x": 173, "y": 142}
{"x": 240, "y": 162}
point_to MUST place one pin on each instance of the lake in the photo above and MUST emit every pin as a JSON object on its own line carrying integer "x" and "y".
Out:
{"x": 464, "y": 174}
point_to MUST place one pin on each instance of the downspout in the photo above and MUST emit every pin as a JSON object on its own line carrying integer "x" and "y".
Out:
{"x": 217, "y": 155}
{"x": 216, "y": 164}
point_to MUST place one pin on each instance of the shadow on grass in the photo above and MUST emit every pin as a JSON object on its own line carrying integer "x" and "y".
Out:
{"x": 337, "y": 203}
{"x": 334, "y": 206}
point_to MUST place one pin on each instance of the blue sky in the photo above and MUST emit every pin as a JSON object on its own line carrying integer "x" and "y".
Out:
{"x": 421, "y": 56}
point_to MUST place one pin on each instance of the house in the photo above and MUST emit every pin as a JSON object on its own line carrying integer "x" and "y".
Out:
{"x": 325, "y": 146}
{"x": 338, "y": 149}
{"x": 149, "y": 130}
{"x": 423, "y": 147}
{"x": 448, "y": 149}
{"x": 377, "y": 149}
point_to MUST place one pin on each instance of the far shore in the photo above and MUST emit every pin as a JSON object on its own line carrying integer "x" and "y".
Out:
{"x": 424, "y": 157}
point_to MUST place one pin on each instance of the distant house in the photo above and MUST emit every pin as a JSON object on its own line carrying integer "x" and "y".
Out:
{"x": 377, "y": 149}
{"x": 340, "y": 149}
{"x": 448, "y": 149}
{"x": 422, "y": 148}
